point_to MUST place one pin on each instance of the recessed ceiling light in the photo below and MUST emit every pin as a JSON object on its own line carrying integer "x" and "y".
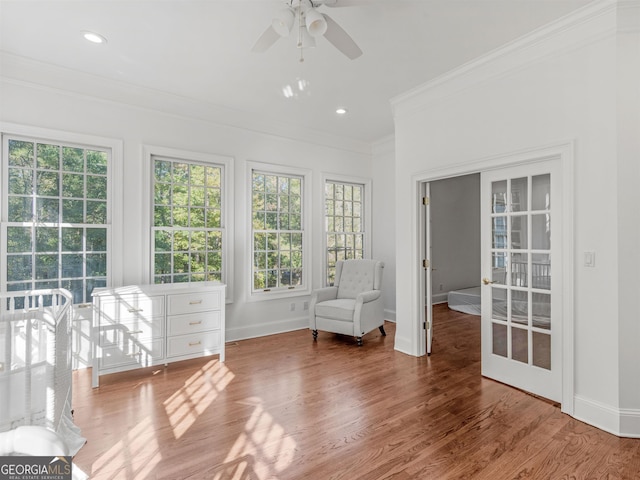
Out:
{"x": 341, "y": 111}
{"x": 94, "y": 37}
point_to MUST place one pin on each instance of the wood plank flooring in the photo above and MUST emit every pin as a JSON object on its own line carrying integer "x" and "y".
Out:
{"x": 285, "y": 407}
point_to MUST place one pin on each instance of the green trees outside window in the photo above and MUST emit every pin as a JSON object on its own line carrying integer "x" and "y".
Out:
{"x": 277, "y": 228}
{"x": 187, "y": 221}
{"x": 57, "y": 228}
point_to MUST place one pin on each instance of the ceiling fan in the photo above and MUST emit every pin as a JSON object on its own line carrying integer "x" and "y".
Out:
{"x": 311, "y": 25}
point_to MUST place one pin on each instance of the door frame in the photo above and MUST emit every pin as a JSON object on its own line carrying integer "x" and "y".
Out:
{"x": 562, "y": 152}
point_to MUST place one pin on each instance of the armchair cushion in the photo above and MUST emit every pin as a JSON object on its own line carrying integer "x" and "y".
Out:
{"x": 340, "y": 309}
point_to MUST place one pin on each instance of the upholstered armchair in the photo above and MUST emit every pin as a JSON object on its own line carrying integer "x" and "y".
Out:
{"x": 353, "y": 305}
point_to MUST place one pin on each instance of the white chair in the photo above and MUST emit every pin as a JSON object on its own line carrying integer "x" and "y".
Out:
{"x": 353, "y": 305}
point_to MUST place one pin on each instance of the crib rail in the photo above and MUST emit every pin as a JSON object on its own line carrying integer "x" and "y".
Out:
{"x": 58, "y": 299}
{"x": 35, "y": 359}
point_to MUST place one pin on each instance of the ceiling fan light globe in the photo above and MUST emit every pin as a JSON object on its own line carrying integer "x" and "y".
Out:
{"x": 283, "y": 22}
{"x": 316, "y": 24}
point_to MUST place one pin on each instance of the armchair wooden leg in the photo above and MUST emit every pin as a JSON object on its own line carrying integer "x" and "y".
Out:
{"x": 381, "y": 327}
{"x": 359, "y": 340}
{"x": 315, "y": 335}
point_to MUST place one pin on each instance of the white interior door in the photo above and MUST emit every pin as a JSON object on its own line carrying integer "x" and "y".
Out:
{"x": 521, "y": 301}
{"x": 425, "y": 297}
{"x": 427, "y": 268}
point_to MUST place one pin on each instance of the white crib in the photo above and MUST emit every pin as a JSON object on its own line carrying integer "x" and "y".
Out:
{"x": 35, "y": 359}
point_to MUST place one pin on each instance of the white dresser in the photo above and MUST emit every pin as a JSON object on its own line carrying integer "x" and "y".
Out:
{"x": 143, "y": 325}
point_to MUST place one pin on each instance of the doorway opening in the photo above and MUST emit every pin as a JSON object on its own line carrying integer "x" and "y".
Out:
{"x": 452, "y": 240}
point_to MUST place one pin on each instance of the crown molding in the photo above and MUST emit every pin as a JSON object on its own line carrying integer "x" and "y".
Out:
{"x": 35, "y": 74}
{"x": 594, "y": 21}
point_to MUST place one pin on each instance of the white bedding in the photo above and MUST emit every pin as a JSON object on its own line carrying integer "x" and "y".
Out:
{"x": 466, "y": 300}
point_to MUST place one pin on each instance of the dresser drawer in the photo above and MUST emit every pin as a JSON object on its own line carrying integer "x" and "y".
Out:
{"x": 134, "y": 353}
{"x": 183, "y": 303}
{"x": 131, "y": 330}
{"x": 196, "y": 344}
{"x": 198, "y": 322}
{"x": 131, "y": 307}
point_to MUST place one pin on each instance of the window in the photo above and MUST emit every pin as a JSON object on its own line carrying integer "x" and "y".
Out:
{"x": 344, "y": 224}
{"x": 188, "y": 221}
{"x": 56, "y": 230}
{"x": 278, "y": 233}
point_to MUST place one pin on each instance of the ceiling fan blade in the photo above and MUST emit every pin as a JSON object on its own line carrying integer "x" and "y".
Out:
{"x": 341, "y": 39}
{"x": 267, "y": 39}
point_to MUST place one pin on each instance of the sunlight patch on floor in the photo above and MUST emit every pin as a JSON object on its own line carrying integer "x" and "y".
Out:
{"x": 199, "y": 391}
{"x": 134, "y": 457}
{"x": 262, "y": 451}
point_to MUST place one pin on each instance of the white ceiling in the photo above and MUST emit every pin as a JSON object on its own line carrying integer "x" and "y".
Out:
{"x": 199, "y": 52}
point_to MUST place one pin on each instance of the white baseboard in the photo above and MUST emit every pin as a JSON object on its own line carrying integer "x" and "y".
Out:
{"x": 390, "y": 315}
{"x": 440, "y": 298}
{"x": 617, "y": 421}
{"x": 271, "y": 328}
{"x": 630, "y": 423}
{"x": 404, "y": 345}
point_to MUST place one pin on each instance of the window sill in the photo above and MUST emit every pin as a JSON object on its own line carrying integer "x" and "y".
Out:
{"x": 260, "y": 296}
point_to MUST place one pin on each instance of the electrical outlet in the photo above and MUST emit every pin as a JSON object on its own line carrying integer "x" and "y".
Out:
{"x": 440, "y": 287}
{"x": 292, "y": 307}
{"x": 305, "y": 306}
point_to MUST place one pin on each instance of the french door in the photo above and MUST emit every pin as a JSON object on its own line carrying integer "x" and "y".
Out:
{"x": 428, "y": 284}
{"x": 522, "y": 277}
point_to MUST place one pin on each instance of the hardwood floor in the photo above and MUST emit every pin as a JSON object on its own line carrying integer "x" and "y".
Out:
{"x": 285, "y": 407}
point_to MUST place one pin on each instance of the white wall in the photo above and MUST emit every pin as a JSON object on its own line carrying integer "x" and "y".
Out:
{"x": 383, "y": 165}
{"x": 455, "y": 234}
{"x": 25, "y": 103}
{"x": 559, "y": 84}
{"x": 628, "y": 104}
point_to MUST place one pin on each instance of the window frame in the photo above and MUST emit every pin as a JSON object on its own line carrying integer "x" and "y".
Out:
{"x": 113, "y": 223}
{"x": 365, "y": 217}
{"x": 306, "y": 224}
{"x": 150, "y": 153}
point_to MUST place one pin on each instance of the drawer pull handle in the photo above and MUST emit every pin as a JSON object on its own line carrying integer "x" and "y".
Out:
{"x": 134, "y": 354}
{"x": 84, "y": 305}
{"x": 133, "y": 332}
{"x": 195, "y": 302}
{"x": 193, "y": 344}
{"x": 196, "y": 323}
{"x": 135, "y": 310}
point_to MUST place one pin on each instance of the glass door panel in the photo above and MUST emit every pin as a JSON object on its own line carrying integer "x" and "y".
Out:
{"x": 519, "y": 307}
{"x": 541, "y": 192}
{"x": 519, "y": 197}
{"x": 499, "y": 196}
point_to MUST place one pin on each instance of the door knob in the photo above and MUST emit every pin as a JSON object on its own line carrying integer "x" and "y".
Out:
{"x": 486, "y": 281}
